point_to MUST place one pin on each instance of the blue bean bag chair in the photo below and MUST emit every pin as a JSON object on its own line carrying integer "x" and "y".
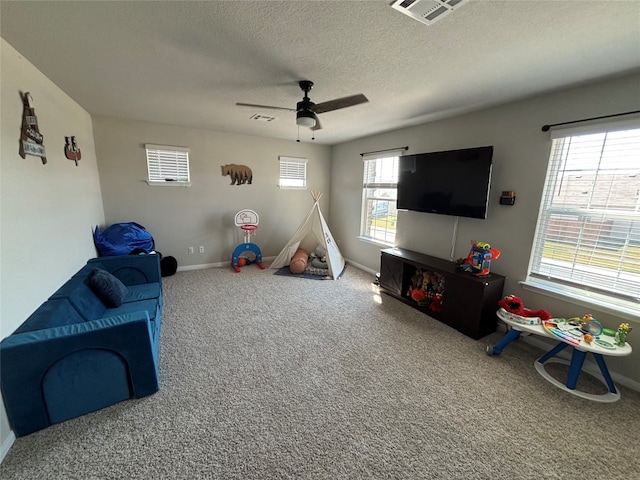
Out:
{"x": 122, "y": 239}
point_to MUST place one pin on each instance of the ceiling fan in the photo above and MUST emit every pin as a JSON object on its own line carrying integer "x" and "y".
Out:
{"x": 307, "y": 111}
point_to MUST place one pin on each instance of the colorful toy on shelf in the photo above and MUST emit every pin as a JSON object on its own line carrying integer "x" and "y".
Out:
{"x": 479, "y": 259}
{"x": 427, "y": 289}
{"x": 514, "y": 305}
{"x": 247, "y": 252}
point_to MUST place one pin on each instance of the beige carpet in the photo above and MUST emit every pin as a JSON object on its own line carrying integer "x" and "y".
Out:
{"x": 272, "y": 377}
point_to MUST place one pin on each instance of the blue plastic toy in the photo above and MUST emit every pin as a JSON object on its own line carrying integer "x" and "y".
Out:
{"x": 479, "y": 259}
{"x": 247, "y": 252}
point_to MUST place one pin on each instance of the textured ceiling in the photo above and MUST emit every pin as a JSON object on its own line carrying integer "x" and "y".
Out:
{"x": 187, "y": 63}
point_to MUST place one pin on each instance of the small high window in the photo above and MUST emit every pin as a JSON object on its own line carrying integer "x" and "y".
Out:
{"x": 293, "y": 172}
{"x": 167, "y": 165}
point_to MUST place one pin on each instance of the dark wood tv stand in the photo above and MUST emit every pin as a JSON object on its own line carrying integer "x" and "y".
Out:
{"x": 457, "y": 298}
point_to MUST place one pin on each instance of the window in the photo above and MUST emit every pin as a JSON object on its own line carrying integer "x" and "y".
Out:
{"x": 379, "y": 194}
{"x": 167, "y": 165}
{"x": 587, "y": 240}
{"x": 293, "y": 172}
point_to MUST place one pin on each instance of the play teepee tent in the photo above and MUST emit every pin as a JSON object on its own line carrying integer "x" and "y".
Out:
{"x": 313, "y": 231}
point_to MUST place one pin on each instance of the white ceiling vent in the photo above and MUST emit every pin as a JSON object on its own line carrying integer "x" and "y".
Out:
{"x": 262, "y": 118}
{"x": 426, "y": 11}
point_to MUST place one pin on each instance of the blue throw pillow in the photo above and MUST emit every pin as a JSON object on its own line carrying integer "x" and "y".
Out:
{"x": 107, "y": 288}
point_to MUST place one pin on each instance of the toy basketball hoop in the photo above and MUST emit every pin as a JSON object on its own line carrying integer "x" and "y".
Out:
{"x": 248, "y": 221}
{"x": 248, "y": 230}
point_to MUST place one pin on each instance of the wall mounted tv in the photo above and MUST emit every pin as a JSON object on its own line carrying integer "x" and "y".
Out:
{"x": 454, "y": 182}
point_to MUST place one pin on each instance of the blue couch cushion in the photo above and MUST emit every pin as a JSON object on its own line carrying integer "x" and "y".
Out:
{"x": 148, "y": 306}
{"x": 147, "y": 291}
{"x": 52, "y": 313}
{"x": 108, "y": 288}
{"x": 85, "y": 381}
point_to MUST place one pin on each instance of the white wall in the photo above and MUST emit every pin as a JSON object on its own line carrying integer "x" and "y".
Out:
{"x": 48, "y": 211}
{"x": 521, "y": 153}
{"x": 203, "y": 214}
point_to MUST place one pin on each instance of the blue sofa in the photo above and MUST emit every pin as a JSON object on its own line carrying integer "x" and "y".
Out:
{"x": 79, "y": 351}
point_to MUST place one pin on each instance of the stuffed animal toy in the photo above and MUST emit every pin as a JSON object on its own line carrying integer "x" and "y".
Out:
{"x": 299, "y": 261}
{"x": 513, "y": 304}
{"x": 319, "y": 257}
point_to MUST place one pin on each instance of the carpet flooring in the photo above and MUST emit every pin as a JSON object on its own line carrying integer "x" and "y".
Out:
{"x": 273, "y": 377}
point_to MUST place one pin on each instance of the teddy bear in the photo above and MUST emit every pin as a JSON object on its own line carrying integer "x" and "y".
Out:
{"x": 513, "y": 304}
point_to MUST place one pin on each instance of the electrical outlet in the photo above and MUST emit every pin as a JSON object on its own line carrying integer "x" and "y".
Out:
{"x": 201, "y": 248}
{"x": 190, "y": 249}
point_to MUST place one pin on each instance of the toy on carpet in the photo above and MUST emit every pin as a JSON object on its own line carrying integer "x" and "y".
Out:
{"x": 299, "y": 261}
{"x": 513, "y": 304}
{"x": 242, "y": 261}
{"x": 479, "y": 259}
{"x": 319, "y": 257}
{"x": 247, "y": 252}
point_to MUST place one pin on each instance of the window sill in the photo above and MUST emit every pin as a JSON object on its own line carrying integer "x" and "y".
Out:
{"x": 624, "y": 309}
{"x": 375, "y": 241}
{"x": 168, "y": 184}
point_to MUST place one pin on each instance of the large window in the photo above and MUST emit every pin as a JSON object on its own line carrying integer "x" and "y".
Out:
{"x": 379, "y": 195}
{"x": 587, "y": 239}
{"x": 167, "y": 165}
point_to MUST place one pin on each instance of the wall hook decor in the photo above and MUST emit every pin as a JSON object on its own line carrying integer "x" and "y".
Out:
{"x": 31, "y": 140}
{"x": 71, "y": 149}
{"x": 508, "y": 197}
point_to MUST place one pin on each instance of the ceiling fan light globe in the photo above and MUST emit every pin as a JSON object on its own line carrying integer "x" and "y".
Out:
{"x": 305, "y": 119}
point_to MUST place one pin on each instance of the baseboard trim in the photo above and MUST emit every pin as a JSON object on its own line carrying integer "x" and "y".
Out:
{"x": 6, "y": 445}
{"x": 265, "y": 259}
{"x": 200, "y": 267}
{"x": 214, "y": 265}
{"x": 361, "y": 267}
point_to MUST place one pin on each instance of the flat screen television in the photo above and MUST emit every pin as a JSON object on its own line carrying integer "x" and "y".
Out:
{"x": 454, "y": 182}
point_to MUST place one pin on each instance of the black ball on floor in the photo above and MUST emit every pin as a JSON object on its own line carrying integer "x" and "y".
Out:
{"x": 168, "y": 266}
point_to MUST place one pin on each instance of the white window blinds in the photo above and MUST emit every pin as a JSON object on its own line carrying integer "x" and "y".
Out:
{"x": 588, "y": 232}
{"x": 381, "y": 170}
{"x": 167, "y": 164}
{"x": 379, "y": 193}
{"x": 293, "y": 172}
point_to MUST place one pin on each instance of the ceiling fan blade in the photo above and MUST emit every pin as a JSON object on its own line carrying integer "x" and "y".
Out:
{"x": 240, "y": 104}
{"x": 340, "y": 103}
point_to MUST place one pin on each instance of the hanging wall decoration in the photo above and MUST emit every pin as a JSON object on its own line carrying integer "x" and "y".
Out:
{"x": 239, "y": 173}
{"x": 71, "y": 149}
{"x": 31, "y": 140}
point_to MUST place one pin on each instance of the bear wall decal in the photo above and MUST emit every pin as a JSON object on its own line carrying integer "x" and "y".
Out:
{"x": 239, "y": 174}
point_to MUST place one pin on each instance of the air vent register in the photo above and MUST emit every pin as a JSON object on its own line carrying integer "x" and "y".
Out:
{"x": 426, "y": 11}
